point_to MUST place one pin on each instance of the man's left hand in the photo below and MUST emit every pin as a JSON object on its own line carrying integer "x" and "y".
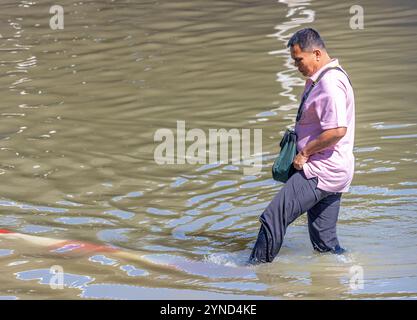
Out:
{"x": 299, "y": 161}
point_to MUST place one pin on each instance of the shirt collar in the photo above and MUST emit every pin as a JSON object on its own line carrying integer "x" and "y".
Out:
{"x": 332, "y": 63}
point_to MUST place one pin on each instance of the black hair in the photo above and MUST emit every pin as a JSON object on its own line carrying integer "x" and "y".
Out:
{"x": 307, "y": 39}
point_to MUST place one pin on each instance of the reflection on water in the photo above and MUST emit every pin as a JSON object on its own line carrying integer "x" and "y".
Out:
{"x": 79, "y": 110}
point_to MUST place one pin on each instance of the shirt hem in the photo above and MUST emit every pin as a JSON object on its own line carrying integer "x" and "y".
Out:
{"x": 309, "y": 175}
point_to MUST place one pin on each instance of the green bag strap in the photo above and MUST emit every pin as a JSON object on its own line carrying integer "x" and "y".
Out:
{"x": 305, "y": 96}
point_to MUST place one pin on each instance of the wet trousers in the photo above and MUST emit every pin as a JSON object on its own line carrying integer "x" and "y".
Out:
{"x": 298, "y": 195}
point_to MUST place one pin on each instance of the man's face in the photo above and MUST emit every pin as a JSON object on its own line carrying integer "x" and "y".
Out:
{"x": 305, "y": 61}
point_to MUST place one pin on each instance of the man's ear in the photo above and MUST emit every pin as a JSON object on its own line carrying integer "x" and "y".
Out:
{"x": 318, "y": 54}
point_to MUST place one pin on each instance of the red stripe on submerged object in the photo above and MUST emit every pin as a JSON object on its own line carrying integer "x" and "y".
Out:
{"x": 74, "y": 246}
{"x": 77, "y": 246}
{"x": 5, "y": 231}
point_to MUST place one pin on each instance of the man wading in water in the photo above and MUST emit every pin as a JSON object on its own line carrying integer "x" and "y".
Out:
{"x": 324, "y": 163}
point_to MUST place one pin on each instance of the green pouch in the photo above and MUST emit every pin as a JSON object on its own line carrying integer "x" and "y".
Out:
{"x": 283, "y": 169}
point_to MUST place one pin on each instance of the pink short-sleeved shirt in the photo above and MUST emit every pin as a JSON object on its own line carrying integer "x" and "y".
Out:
{"x": 330, "y": 105}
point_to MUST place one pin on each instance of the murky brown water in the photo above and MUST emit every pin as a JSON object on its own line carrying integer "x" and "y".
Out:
{"x": 79, "y": 110}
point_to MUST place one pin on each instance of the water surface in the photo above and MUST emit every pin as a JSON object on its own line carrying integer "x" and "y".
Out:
{"x": 79, "y": 110}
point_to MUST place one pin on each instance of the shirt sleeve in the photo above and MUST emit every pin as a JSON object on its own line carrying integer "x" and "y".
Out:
{"x": 331, "y": 109}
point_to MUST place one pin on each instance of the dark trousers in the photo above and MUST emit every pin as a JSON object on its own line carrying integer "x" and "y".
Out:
{"x": 298, "y": 195}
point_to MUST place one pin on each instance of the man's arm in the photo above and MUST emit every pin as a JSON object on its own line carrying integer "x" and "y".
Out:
{"x": 326, "y": 139}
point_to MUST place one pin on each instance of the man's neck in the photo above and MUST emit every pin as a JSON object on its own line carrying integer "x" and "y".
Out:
{"x": 326, "y": 60}
{"x": 323, "y": 62}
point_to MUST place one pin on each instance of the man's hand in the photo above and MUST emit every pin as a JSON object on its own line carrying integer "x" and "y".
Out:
{"x": 299, "y": 161}
{"x": 326, "y": 139}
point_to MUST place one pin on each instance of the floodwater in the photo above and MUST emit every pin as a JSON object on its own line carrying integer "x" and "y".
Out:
{"x": 79, "y": 110}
